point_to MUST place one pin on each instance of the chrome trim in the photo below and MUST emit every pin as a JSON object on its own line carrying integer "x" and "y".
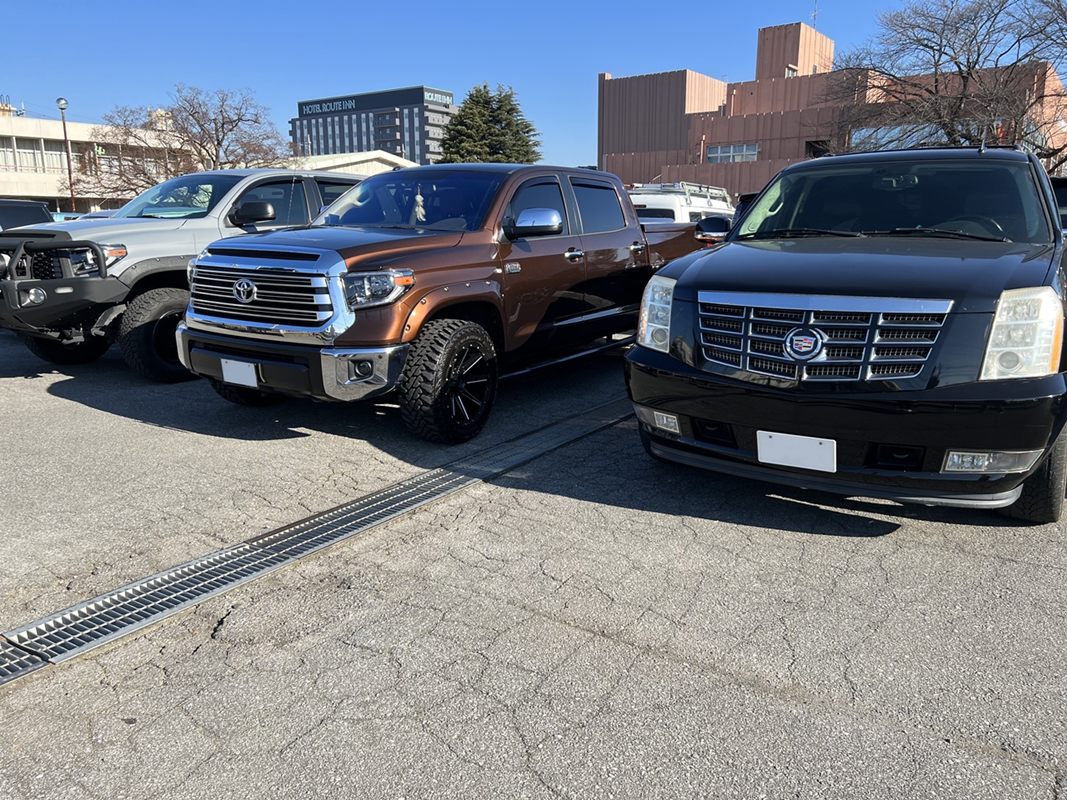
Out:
{"x": 388, "y": 364}
{"x": 611, "y": 312}
{"x": 326, "y": 274}
{"x": 863, "y": 339}
{"x": 804, "y": 302}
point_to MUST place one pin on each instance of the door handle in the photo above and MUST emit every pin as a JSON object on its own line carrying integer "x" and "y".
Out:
{"x": 637, "y": 247}
{"x": 574, "y": 255}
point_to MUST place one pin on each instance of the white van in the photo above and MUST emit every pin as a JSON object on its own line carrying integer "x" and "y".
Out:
{"x": 679, "y": 202}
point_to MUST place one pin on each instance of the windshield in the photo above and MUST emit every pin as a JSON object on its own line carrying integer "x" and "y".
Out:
{"x": 951, "y": 198}
{"x": 430, "y": 199}
{"x": 187, "y": 197}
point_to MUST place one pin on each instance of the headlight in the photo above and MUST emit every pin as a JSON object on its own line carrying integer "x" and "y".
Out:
{"x": 366, "y": 289}
{"x": 192, "y": 264}
{"x": 1026, "y": 337}
{"x": 113, "y": 253}
{"x": 654, "y": 322}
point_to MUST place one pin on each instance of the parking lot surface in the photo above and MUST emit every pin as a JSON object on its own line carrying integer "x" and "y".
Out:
{"x": 590, "y": 624}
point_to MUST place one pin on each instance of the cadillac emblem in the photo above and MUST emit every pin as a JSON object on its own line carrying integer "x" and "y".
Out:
{"x": 803, "y": 344}
{"x": 244, "y": 290}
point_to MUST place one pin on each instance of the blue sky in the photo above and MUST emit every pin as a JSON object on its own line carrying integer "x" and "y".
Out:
{"x": 113, "y": 52}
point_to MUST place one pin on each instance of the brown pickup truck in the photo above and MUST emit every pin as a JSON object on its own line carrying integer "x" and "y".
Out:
{"x": 429, "y": 281}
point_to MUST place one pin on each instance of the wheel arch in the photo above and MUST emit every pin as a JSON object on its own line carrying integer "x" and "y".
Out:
{"x": 460, "y": 302}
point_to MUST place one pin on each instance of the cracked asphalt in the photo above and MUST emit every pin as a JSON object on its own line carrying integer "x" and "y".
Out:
{"x": 593, "y": 624}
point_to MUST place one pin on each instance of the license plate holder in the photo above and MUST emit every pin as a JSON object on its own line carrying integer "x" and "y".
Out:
{"x": 241, "y": 373}
{"x": 789, "y": 450}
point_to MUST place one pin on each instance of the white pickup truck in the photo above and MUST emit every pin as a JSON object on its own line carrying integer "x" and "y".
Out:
{"x": 679, "y": 202}
{"x": 71, "y": 289}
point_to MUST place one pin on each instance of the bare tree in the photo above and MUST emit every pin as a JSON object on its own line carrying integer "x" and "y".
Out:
{"x": 958, "y": 72}
{"x": 140, "y": 147}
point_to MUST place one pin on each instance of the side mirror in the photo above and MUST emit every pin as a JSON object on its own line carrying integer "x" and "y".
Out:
{"x": 252, "y": 211}
{"x": 534, "y": 222}
{"x": 712, "y": 229}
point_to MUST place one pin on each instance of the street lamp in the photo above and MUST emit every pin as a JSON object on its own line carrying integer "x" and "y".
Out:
{"x": 61, "y": 104}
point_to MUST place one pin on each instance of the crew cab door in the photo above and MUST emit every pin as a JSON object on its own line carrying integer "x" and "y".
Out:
{"x": 542, "y": 275}
{"x": 289, "y": 197}
{"x": 616, "y": 261}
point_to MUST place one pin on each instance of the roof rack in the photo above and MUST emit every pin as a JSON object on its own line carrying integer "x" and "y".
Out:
{"x": 681, "y": 187}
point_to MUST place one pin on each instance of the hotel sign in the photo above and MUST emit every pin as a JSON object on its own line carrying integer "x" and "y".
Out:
{"x": 327, "y": 106}
{"x": 437, "y": 97}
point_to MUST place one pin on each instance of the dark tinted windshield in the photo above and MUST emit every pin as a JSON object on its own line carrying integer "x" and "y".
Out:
{"x": 979, "y": 199}
{"x": 187, "y": 197}
{"x": 433, "y": 199}
{"x": 11, "y": 216}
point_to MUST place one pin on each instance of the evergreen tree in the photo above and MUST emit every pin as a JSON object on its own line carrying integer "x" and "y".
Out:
{"x": 490, "y": 127}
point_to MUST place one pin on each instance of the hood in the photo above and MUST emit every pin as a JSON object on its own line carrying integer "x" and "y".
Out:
{"x": 352, "y": 243}
{"x": 971, "y": 273}
{"x": 105, "y": 230}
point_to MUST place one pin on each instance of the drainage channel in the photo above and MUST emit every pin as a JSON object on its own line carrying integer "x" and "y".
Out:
{"x": 103, "y": 619}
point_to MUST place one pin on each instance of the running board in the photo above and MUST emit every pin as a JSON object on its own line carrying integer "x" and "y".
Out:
{"x": 612, "y": 344}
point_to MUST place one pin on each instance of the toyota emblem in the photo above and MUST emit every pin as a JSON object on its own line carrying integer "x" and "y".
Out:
{"x": 244, "y": 290}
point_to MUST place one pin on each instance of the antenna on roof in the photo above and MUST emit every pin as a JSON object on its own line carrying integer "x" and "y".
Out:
{"x": 815, "y": 16}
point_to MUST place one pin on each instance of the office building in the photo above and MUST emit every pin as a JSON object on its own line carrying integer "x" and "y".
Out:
{"x": 407, "y": 122}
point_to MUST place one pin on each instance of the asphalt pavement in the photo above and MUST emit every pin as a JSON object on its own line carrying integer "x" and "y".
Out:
{"x": 592, "y": 624}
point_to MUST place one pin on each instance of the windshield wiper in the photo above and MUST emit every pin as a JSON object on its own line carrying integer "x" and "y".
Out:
{"x": 938, "y": 233}
{"x": 785, "y": 233}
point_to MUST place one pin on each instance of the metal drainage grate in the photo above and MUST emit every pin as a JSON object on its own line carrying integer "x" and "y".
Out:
{"x": 14, "y": 663}
{"x": 79, "y": 628}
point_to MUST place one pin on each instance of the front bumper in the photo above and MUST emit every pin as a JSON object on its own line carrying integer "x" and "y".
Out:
{"x": 718, "y": 420}
{"x": 66, "y": 299}
{"x": 336, "y": 374}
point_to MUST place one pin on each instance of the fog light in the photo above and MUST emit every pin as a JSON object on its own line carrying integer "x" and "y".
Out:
{"x": 34, "y": 296}
{"x": 992, "y": 461}
{"x": 657, "y": 419}
{"x": 364, "y": 369}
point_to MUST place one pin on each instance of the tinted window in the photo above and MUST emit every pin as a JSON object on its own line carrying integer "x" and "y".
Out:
{"x": 12, "y": 216}
{"x": 599, "y": 206}
{"x": 655, "y": 213}
{"x": 539, "y": 194}
{"x": 1059, "y": 186}
{"x": 331, "y": 191}
{"x": 287, "y": 197}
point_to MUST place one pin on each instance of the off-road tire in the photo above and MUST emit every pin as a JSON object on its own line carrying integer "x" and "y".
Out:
{"x": 246, "y": 396}
{"x": 146, "y": 335}
{"x": 56, "y": 352}
{"x": 449, "y": 381}
{"x": 1043, "y": 492}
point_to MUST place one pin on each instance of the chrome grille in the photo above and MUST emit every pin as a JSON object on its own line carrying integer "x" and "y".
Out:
{"x": 282, "y": 297}
{"x": 860, "y": 338}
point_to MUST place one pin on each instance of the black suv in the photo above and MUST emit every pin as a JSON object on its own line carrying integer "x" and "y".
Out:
{"x": 882, "y": 324}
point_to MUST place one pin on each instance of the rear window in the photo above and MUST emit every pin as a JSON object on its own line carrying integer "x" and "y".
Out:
{"x": 13, "y": 216}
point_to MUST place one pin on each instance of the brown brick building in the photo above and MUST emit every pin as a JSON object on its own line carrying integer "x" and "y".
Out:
{"x": 684, "y": 126}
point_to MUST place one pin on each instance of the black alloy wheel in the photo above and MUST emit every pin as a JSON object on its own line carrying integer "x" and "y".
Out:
{"x": 449, "y": 381}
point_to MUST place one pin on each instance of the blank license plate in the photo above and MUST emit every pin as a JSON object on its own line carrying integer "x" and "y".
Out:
{"x": 242, "y": 373}
{"x": 788, "y": 450}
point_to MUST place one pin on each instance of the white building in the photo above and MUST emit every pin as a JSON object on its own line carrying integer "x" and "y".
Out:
{"x": 33, "y": 159}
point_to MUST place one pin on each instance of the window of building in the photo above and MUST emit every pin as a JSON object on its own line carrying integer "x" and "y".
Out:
{"x": 726, "y": 153}
{"x": 28, "y": 153}
{"x": 55, "y": 156}
{"x": 7, "y": 154}
{"x": 598, "y": 205}
{"x": 790, "y": 72}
